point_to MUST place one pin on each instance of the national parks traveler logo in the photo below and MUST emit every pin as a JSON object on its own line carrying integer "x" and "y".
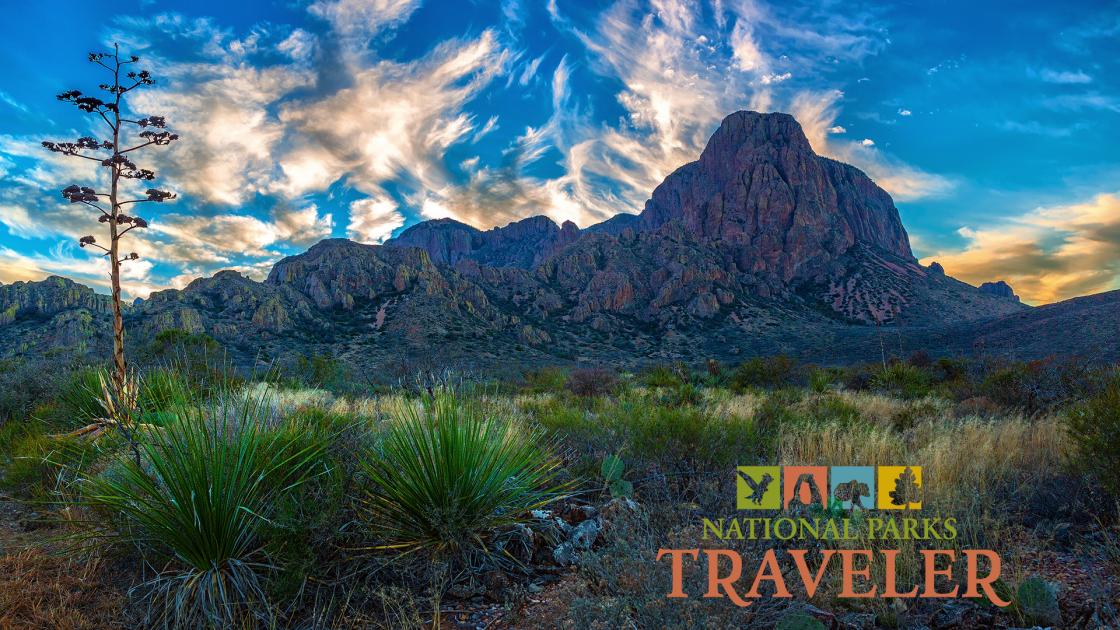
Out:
{"x": 851, "y": 487}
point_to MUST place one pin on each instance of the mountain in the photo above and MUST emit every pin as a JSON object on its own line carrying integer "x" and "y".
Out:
{"x": 758, "y": 247}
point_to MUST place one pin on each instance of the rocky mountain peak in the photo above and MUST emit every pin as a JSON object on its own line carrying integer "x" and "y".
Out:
{"x": 779, "y": 208}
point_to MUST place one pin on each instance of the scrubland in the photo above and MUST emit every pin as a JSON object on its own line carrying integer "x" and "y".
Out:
{"x": 300, "y": 497}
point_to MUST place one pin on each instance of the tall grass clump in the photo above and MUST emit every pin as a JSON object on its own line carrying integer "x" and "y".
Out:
{"x": 204, "y": 489}
{"x": 447, "y": 475}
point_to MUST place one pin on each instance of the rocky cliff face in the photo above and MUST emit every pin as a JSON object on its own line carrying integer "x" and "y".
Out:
{"x": 42, "y": 300}
{"x": 759, "y": 189}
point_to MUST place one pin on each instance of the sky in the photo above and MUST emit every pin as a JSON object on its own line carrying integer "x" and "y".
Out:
{"x": 993, "y": 125}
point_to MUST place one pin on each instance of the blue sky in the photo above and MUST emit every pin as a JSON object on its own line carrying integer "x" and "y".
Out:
{"x": 994, "y": 126}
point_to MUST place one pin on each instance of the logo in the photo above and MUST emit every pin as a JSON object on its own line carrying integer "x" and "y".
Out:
{"x": 852, "y": 488}
{"x": 900, "y": 487}
{"x": 804, "y": 486}
{"x": 834, "y": 511}
{"x": 757, "y": 488}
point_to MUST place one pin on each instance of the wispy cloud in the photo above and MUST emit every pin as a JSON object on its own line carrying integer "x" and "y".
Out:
{"x": 275, "y": 116}
{"x": 1064, "y": 76}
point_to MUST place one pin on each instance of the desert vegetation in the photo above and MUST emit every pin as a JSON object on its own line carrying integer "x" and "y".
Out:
{"x": 289, "y": 499}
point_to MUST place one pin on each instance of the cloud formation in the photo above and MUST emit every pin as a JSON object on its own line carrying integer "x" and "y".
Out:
{"x": 1048, "y": 254}
{"x": 280, "y": 122}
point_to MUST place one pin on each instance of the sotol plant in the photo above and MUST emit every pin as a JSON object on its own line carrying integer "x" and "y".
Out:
{"x": 113, "y": 151}
{"x": 448, "y": 474}
{"x": 205, "y": 489}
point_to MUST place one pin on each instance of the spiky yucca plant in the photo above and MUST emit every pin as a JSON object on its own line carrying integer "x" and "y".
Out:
{"x": 447, "y": 475}
{"x": 199, "y": 497}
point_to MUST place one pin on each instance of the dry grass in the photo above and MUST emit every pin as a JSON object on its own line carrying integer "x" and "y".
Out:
{"x": 38, "y": 590}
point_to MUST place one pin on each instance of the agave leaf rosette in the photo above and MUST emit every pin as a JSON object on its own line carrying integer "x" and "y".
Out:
{"x": 447, "y": 475}
{"x": 204, "y": 488}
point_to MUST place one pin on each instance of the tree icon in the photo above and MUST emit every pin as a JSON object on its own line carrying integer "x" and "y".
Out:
{"x": 907, "y": 490}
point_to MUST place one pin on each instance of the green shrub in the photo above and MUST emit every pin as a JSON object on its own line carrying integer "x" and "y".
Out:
{"x": 1094, "y": 426}
{"x": 764, "y": 372}
{"x": 545, "y": 380}
{"x": 447, "y": 475}
{"x": 163, "y": 390}
{"x": 820, "y": 380}
{"x": 902, "y": 379}
{"x": 80, "y": 396}
{"x": 798, "y": 621}
{"x": 42, "y": 464}
{"x": 206, "y": 488}
{"x": 681, "y": 394}
{"x": 683, "y": 438}
{"x": 661, "y": 375}
{"x": 833, "y": 409}
{"x": 1038, "y": 602}
{"x": 321, "y": 370}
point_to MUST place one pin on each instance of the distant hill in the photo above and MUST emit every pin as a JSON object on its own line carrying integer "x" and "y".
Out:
{"x": 759, "y": 247}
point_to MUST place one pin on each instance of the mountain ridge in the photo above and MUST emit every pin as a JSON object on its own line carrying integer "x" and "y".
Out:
{"x": 759, "y": 246}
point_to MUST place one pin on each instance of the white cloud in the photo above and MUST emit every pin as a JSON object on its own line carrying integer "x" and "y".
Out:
{"x": 301, "y": 227}
{"x": 837, "y": 129}
{"x": 768, "y": 79}
{"x": 19, "y": 222}
{"x": 904, "y": 112}
{"x": 229, "y": 137}
{"x": 867, "y": 142}
{"x": 1064, "y": 76}
{"x": 418, "y": 117}
{"x": 745, "y": 51}
{"x": 359, "y": 20}
{"x": 373, "y": 220}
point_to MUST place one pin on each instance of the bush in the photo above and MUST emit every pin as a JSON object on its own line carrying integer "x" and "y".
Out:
{"x": 821, "y": 379}
{"x": 764, "y": 372}
{"x": 544, "y": 380}
{"x": 661, "y": 375}
{"x": 902, "y": 379}
{"x": 205, "y": 490}
{"x": 447, "y": 475}
{"x": 590, "y": 382}
{"x": 1038, "y": 602}
{"x": 1094, "y": 426}
{"x": 684, "y": 438}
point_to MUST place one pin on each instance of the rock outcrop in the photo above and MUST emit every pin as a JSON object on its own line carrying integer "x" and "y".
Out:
{"x": 42, "y": 300}
{"x": 523, "y": 244}
{"x": 999, "y": 289}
